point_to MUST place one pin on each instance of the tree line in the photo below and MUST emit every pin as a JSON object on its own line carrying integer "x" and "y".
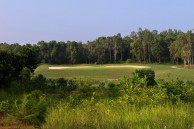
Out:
{"x": 13, "y": 59}
{"x": 143, "y": 46}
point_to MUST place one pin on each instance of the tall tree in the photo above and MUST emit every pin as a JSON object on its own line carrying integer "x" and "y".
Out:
{"x": 156, "y": 48}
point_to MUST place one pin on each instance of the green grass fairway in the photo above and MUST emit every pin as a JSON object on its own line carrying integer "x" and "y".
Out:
{"x": 112, "y": 72}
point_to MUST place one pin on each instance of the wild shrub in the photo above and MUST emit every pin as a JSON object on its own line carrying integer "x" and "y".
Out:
{"x": 61, "y": 84}
{"x": 31, "y": 108}
{"x": 179, "y": 90}
{"x": 138, "y": 81}
{"x": 74, "y": 100}
{"x": 51, "y": 87}
{"x": 39, "y": 82}
{"x": 136, "y": 92}
{"x": 125, "y": 83}
{"x": 113, "y": 89}
{"x": 25, "y": 75}
{"x": 149, "y": 74}
{"x": 147, "y": 96}
{"x": 4, "y": 107}
{"x": 6, "y": 74}
{"x": 87, "y": 90}
{"x": 71, "y": 85}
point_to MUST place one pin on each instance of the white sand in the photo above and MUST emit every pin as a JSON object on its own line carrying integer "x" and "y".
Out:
{"x": 128, "y": 66}
{"x": 58, "y": 67}
{"x": 70, "y": 67}
{"x": 174, "y": 67}
{"x": 114, "y": 66}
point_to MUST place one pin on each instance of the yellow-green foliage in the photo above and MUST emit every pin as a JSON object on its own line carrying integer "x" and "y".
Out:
{"x": 31, "y": 108}
{"x": 116, "y": 114}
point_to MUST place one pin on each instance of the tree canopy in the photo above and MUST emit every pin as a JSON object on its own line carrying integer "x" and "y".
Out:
{"x": 143, "y": 46}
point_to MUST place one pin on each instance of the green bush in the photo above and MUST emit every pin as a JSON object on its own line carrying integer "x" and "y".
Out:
{"x": 71, "y": 85}
{"x": 74, "y": 100}
{"x": 113, "y": 90}
{"x": 87, "y": 90}
{"x": 6, "y": 74}
{"x": 31, "y": 108}
{"x": 25, "y": 75}
{"x": 61, "y": 84}
{"x": 130, "y": 61}
{"x": 138, "y": 81}
{"x": 4, "y": 106}
{"x": 148, "y": 73}
{"x": 39, "y": 82}
{"x": 179, "y": 90}
{"x": 51, "y": 87}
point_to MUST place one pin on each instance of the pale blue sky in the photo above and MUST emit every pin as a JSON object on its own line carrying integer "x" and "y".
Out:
{"x": 29, "y": 21}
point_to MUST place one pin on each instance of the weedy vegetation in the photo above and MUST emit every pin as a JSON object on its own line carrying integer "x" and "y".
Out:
{"x": 141, "y": 101}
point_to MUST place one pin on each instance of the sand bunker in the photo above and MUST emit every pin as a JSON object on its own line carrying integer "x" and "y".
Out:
{"x": 174, "y": 67}
{"x": 114, "y": 66}
{"x": 76, "y": 67}
{"x": 128, "y": 66}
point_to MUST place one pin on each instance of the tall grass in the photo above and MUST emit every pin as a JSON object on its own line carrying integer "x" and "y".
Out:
{"x": 119, "y": 115}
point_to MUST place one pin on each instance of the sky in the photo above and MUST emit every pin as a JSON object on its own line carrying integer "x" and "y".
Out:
{"x": 30, "y": 21}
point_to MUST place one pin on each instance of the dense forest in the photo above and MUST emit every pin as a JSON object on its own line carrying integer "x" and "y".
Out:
{"x": 143, "y": 46}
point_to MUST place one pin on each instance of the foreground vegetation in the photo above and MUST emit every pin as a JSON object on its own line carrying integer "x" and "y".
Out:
{"x": 118, "y": 114}
{"x": 136, "y": 102}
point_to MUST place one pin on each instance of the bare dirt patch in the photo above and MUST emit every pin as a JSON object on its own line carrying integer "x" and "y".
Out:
{"x": 114, "y": 66}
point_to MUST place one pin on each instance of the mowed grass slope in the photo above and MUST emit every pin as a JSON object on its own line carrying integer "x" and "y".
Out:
{"x": 112, "y": 72}
{"x": 97, "y": 72}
